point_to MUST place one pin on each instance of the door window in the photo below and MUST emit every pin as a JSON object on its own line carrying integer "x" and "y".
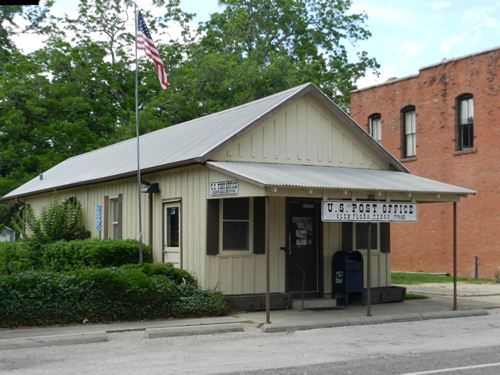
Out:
{"x": 172, "y": 233}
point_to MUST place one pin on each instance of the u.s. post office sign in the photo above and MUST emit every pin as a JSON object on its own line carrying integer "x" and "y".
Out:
{"x": 366, "y": 211}
{"x": 219, "y": 188}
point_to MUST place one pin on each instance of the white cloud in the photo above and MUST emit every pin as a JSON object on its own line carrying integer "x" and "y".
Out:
{"x": 387, "y": 15}
{"x": 481, "y": 17}
{"x": 440, "y": 5}
{"x": 449, "y": 44}
{"x": 412, "y": 49}
{"x": 371, "y": 79}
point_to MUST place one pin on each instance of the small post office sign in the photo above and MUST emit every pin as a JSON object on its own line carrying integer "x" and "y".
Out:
{"x": 219, "y": 188}
{"x": 368, "y": 211}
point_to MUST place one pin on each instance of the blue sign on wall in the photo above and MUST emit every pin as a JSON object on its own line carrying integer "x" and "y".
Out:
{"x": 98, "y": 218}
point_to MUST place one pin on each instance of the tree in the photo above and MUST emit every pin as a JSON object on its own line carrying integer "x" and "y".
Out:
{"x": 280, "y": 43}
{"x": 254, "y": 48}
{"x": 34, "y": 15}
{"x": 77, "y": 95}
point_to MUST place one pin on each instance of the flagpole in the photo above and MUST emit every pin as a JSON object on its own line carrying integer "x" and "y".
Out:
{"x": 139, "y": 216}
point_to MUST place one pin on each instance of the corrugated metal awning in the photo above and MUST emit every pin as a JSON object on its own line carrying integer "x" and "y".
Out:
{"x": 318, "y": 177}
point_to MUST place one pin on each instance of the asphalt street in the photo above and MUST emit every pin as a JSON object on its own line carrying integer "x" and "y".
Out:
{"x": 398, "y": 348}
{"x": 483, "y": 361}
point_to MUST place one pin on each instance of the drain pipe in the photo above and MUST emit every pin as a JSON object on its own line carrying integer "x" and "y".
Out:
{"x": 151, "y": 188}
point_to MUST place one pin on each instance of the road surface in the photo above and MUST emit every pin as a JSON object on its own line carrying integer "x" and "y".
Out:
{"x": 447, "y": 346}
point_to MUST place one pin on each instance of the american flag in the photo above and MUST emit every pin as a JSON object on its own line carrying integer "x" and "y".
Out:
{"x": 145, "y": 42}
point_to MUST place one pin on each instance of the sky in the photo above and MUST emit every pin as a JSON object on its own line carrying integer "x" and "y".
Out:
{"x": 406, "y": 34}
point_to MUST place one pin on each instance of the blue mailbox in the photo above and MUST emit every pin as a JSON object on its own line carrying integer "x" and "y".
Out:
{"x": 347, "y": 275}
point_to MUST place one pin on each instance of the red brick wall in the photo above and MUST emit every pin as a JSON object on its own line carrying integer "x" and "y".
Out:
{"x": 427, "y": 245}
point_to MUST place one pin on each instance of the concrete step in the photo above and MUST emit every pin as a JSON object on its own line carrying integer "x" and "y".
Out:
{"x": 314, "y": 303}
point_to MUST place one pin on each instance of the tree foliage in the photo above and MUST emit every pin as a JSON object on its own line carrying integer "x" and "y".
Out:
{"x": 77, "y": 92}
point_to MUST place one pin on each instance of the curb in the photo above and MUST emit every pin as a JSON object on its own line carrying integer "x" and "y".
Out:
{"x": 386, "y": 319}
{"x": 153, "y": 333}
{"x": 454, "y": 314}
{"x": 54, "y": 340}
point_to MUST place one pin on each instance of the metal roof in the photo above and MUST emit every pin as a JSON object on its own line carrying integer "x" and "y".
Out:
{"x": 318, "y": 177}
{"x": 183, "y": 144}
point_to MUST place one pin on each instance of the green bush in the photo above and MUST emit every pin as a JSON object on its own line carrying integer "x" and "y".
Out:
{"x": 100, "y": 295}
{"x": 70, "y": 255}
{"x": 14, "y": 258}
{"x": 60, "y": 220}
{"x": 177, "y": 275}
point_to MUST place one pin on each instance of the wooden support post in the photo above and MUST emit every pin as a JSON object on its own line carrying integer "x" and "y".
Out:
{"x": 268, "y": 264}
{"x": 369, "y": 273}
{"x": 454, "y": 255}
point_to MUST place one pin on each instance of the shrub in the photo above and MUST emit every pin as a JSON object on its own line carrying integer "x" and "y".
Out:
{"x": 60, "y": 220}
{"x": 100, "y": 295}
{"x": 177, "y": 275}
{"x": 69, "y": 255}
{"x": 195, "y": 302}
{"x": 14, "y": 258}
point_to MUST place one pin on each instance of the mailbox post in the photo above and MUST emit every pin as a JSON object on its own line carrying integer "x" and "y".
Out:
{"x": 368, "y": 212}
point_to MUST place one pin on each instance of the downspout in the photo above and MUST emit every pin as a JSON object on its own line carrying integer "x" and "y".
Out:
{"x": 151, "y": 188}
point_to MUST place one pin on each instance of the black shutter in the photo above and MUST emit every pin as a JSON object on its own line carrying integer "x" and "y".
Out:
{"x": 259, "y": 225}
{"x": 346, "y": 236}
{"x": 212, "y": 227}
{"x": 105, "y": 225}
{"x": 362, "y": 236}
{"x": 385, "y": 237}
{"x": 120, "y": 217}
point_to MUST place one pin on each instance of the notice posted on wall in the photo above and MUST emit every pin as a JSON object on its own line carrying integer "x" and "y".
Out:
{"x": 368, "y": 211}
{"x": 219, "y": 188}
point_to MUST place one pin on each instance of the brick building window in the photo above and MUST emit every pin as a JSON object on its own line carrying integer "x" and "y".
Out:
{"x": 465, "y": 122}
{"x": 375, "y": 126}
{"x": 409, "y": 132}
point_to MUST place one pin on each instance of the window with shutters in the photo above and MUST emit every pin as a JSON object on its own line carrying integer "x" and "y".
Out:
{"x": 236, "y": 224}
{"x": 409, "y": 132}
{"x": 114, "y": 215}
{"x": 465, "y": 122}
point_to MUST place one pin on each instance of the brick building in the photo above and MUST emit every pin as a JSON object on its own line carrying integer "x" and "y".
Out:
{"x": 444, "y": 123}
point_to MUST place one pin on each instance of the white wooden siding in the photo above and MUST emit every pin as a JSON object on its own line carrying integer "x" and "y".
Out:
{"x": 230, "y": 273}
{"x": 303, "y": 132}
{"x": 245, "y": 273}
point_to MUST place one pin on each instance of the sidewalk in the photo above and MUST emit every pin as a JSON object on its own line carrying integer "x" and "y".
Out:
{"x": 469, "y": 295}
{"x": 471, "y": 302}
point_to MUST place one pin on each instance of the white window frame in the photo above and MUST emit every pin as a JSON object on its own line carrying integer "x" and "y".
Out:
{"x": 375, "y": 127}
{"x": 409, "y": 132}
{"x": 172, "y": 252}
{"x": 114, "y": 221}
{"x": 232, "y": 252}
{"x": 465, "y": 114}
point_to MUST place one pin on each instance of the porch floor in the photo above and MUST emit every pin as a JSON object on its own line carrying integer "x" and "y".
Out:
{"x": 314, "y": 303}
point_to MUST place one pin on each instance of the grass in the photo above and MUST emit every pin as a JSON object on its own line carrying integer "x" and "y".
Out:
{"x": 410, "y": 296}
{"x": 398, "y": 278}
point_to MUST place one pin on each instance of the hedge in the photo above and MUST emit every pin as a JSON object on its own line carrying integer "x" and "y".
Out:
{"x": 69, "y": 255}
{"x": 14, "y": 258}
{"x": 177, "y": 275}
{"x": 101, "y": 295}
